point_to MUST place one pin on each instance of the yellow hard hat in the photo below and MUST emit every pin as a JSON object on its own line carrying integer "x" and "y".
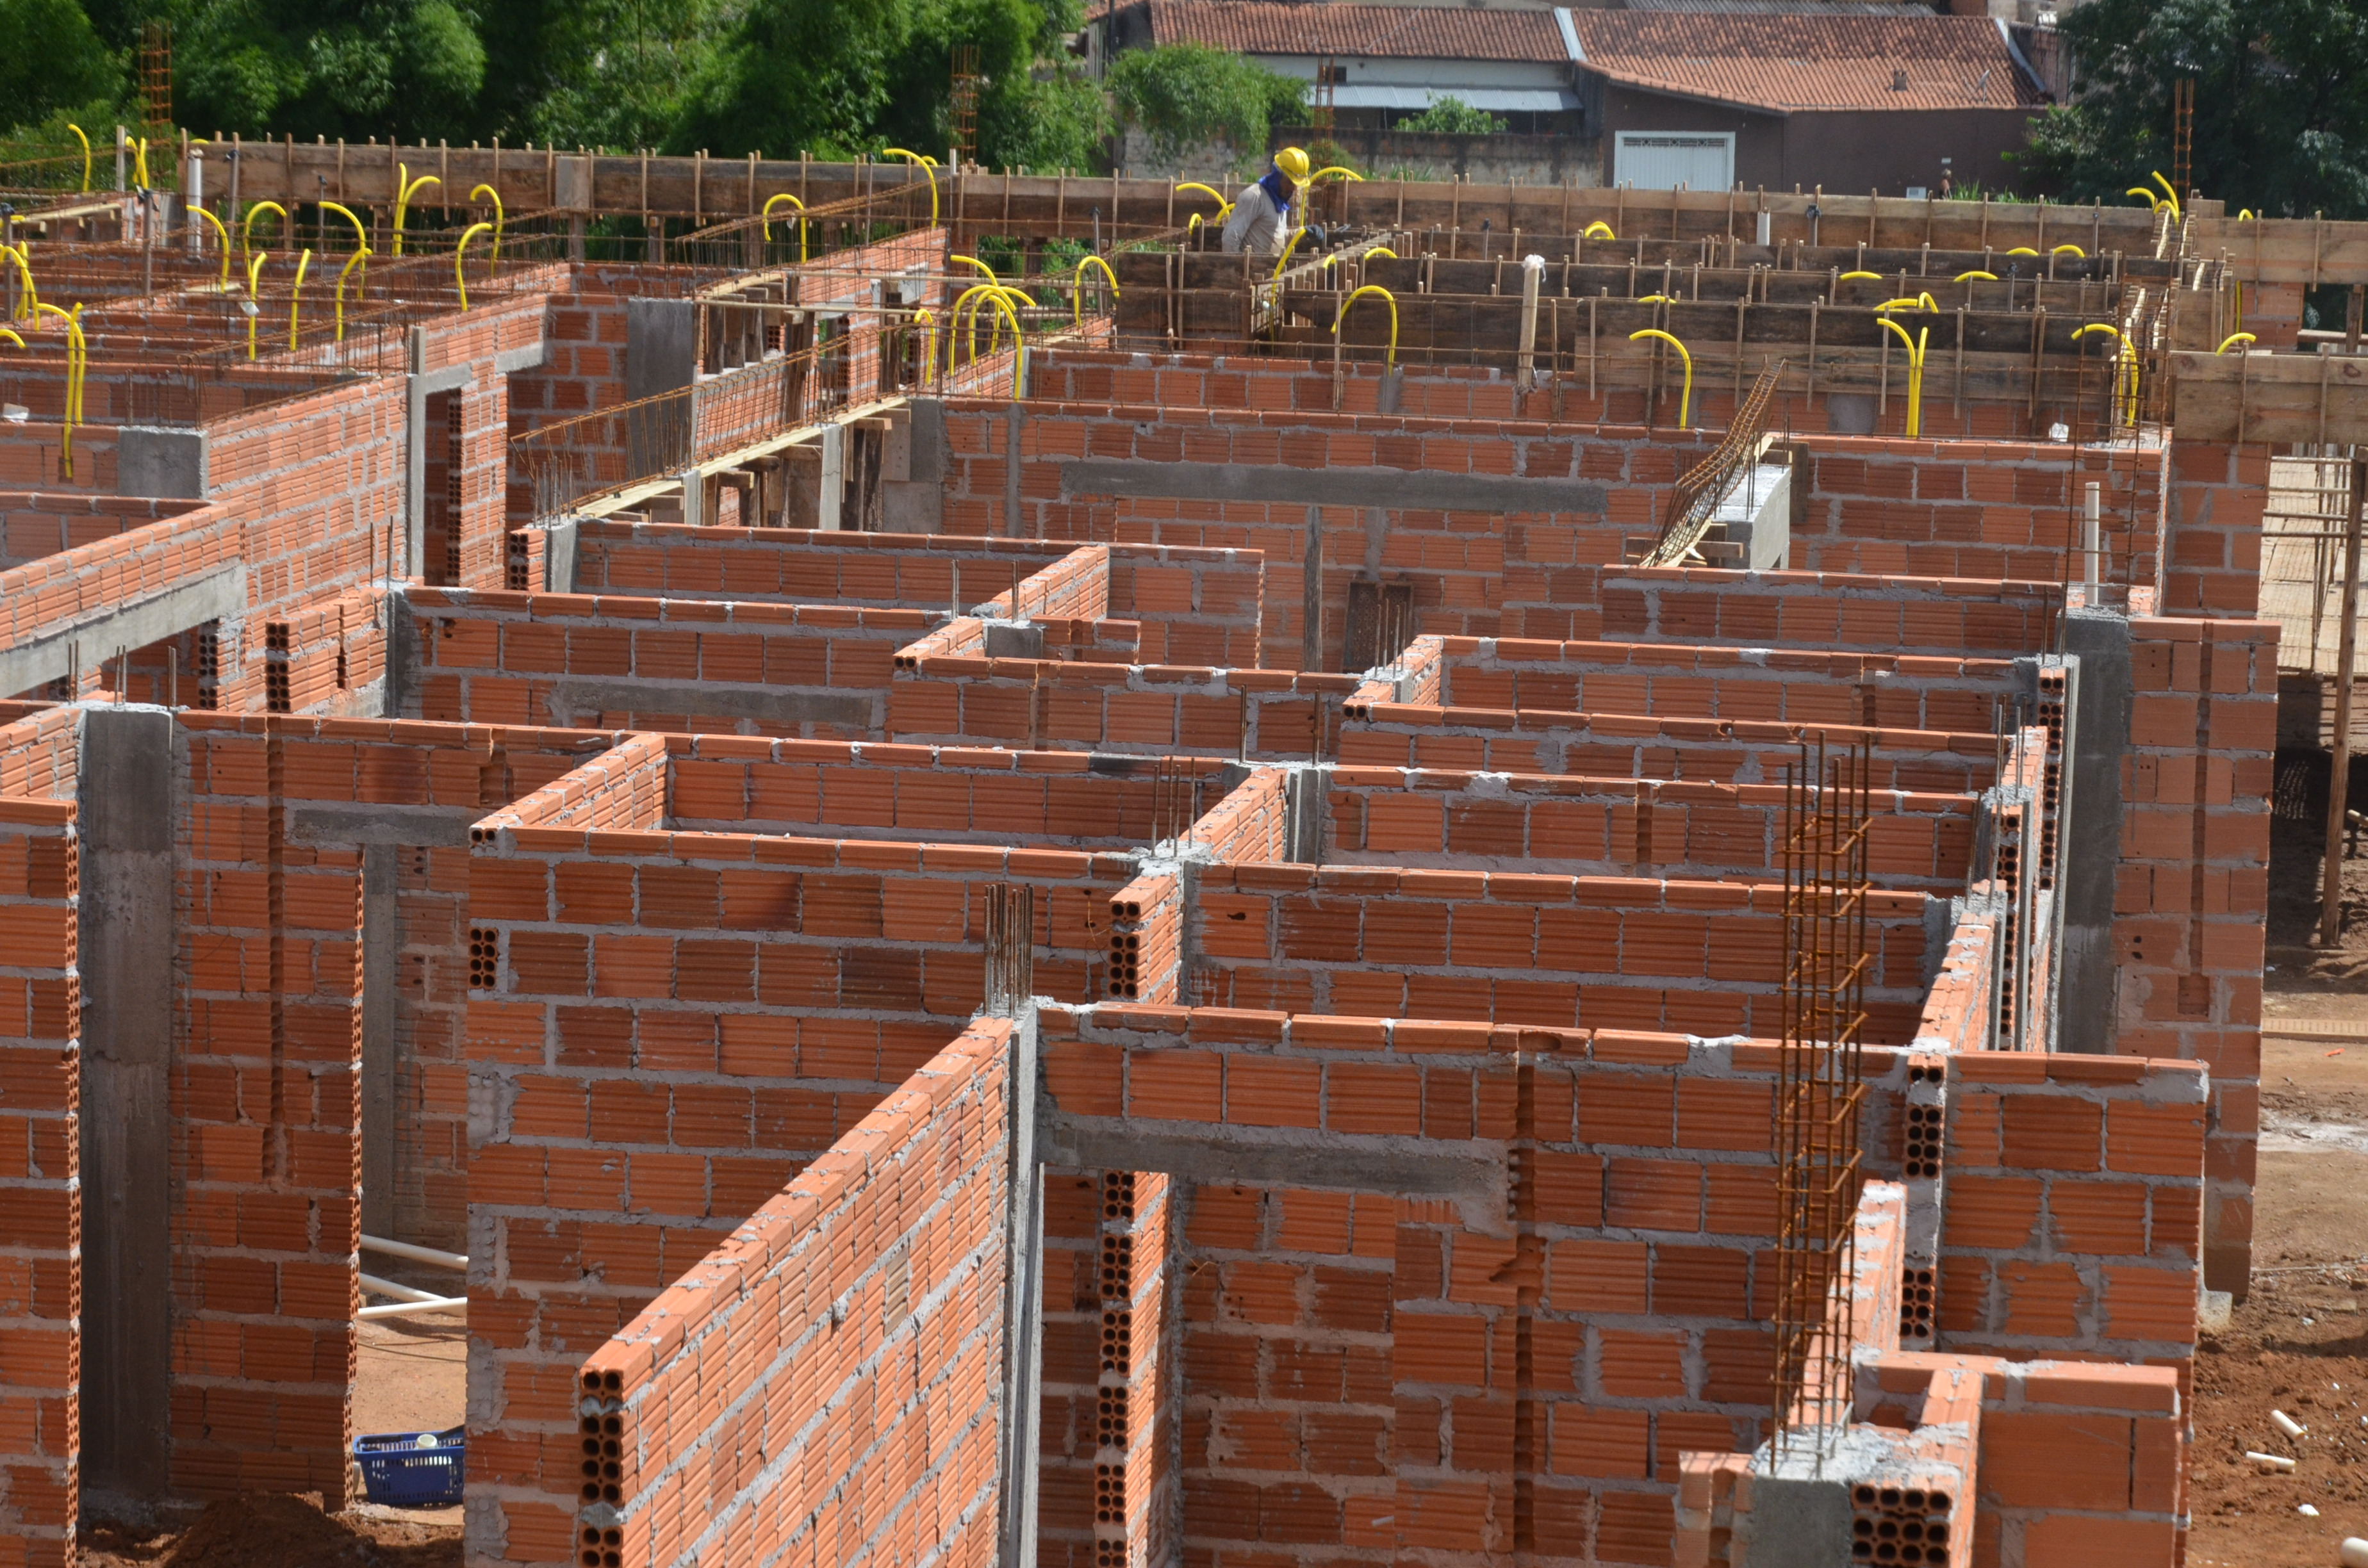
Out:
{"x": 1292, "y": 161}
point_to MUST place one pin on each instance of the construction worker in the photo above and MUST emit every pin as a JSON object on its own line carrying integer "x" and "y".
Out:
{"x": 1261, "y": 221}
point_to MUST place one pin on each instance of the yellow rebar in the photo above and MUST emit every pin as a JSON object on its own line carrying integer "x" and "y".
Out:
{"x": 2075, "y": 250}
{"x": 224, "y": 234}
{"x": 77, "y": 358}
{"x": 985, "y": 271}
{"x": 2169, "y": 197}
{"x": 1847, "y": 276}
{"x": 1915, "y": 346}
{"x": 86, "y": 152}
{"x": 1685, "y": 398}
{"x": 1984, "y": 276}
{"x": 254, "y": 303}
{"x": 1910, "y": 302}
{"x": 408, "y": 188}
{"x": 1606, "y": 228}
{"x": 12, "y": 337}
{"x": 362, "y": 249}
{"x": 140, "y": 162}
{"x": 247, "y": 225}
{"x": 1289, "y": 245}
{"x": 351, "y": 262}
{"x": 2235, "y": 337}
{"x": 460, "y": 255}
{"x": 1077, "y": 301}
{"x": 295, "y": 298}
{"x": 1389, "y": 363}
{"x": 765, "y": 222}
{"x": 31, "y": 303}
{"x": 926, "y": 167}
{"x": 494, "y": 256}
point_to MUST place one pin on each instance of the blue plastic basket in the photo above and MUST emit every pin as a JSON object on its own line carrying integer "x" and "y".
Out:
{"x": 412, "y": 1469}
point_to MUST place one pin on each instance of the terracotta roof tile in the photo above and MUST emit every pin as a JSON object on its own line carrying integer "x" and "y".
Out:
{"x": 1810, "y": 62}
{"x": 1424, "y": 32}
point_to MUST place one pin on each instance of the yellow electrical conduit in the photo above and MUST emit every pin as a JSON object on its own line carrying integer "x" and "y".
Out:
{"x": 1284, "y": 259}
{"x": 1654, "y": 299}
{"x": 225, "y": 236}
{"x": 494, "y": 256}
{"x": 1599, "y": 230}
{"x": 12, "y": 337}
{"x": 1016, "y": 300}
{"x": 2022, "y": 250}
{"x": 1383, "y": 250}
{"x": 1223, "y": 206}
{"x": 351, "y": 262}
{"x": 295, "y": 297}
{"x": 254, "y": 305}
{"x": 2127, "y": 364}
{"x": 926, "y": 167}
{"x": 765, "y": 222}
{"x": 2154, "y": 202}
{"x": 2075, "y": 250}
{"x": 1911, "y": 302}
{"x": 140, "y": 162}
{"x": 460, "y": 255}
{"x": 2169, "y": 197}
{"x": 1391, "y": 362}
{"x": 247, "y": 225}
{"x": 1077, "y": 301}
{"x": 409, "y": 188}
{"x": 77, "y": 360}
{"x": 2235, "y": 337}
{"x": 1685, "y": 398}
{"x": 929, "y": 342}
{"x": 984, "y": 271}
{"x": 1984, "y": 276}
{"x": 86, "y": 152}
{"x": 994, "y": 291}
{"x": 1916, "y": 346}
{"x": 31, "y": 303}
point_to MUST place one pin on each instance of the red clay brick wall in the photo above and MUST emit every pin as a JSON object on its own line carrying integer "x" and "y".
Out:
{"x": 2081, "y": 1464}
{"x": 823, "y": 1383}
{"x": 33, "y": 524}
{"x": 804, "y": 566}
{"x": 499, "y": 657}
{"x": 1134, "y": 710}
{"x": 40, "y": 1210}
{"x": 2072, "y": 1213}
{"x": 47, "y": 598}
{"x": 264, "y": 1120}
{"x": 1551, "y": 951}
{"x": 2211, "y": 556}
{"x": 1597, "y": 826}
{"x": 1933, "y": 617}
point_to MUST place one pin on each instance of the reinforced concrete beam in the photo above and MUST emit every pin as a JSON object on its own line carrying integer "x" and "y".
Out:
{"x": 133, "y": 623}
{"x": 1247, "y": 1157}
{"x": 1385, "y": 487}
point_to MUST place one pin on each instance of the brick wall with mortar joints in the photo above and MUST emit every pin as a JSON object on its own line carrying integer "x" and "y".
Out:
{"x": 583, "y": 369}
{"x": 2071, "y": 1219}
{"x": 676, "y": 1021}
{"x": 264, "y": 1116}
{"x": 500, "y": 657}
{"x": 929, "y": 572}
{"x": 1551, "y": 951}
{"x": 1068, "y": 1368}
{"x": 1957, "y": 1009}
{"x": 1598, "y": 827}
{"x": 2190, "y": 909}
{"x": 1614, "y": 745}
{"x": 1187, "y": 605}
{"x": 1272, "y": 715}
{"x": 1673, "y": 680}
{"x": 2213, "y": 514}
{"x": 34, "y": 523}
{"x": 1251, "y": 823}
{"x": 40, "y": 1209}
{"x": 49, "y": 597}
{"x": 31, "y": 458}
{"x": 866, "y": 1382}
{"x": 1950, "y": 508}
{"x": 483, "y": 442}
{"x": 1933, "y": 617}
{"x": 1652, "y": 1198}
{"x": 2080, "y": 1463}
{"x": 1146, "y": 942}
{"x": 318, "y": 658}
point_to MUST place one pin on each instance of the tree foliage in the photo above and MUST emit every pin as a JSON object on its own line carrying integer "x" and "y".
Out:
{"x": 52, "y": 61}
{"x": 1185, "y": 94}
{"x": 1451, "y": 116}
{"x": 2281, "y": 103}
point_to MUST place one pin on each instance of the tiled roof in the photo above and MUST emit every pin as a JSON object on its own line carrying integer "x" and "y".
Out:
{"x": 1810, "y": 63}
{"x": 1782, "y": 62}
{"x": 1422, "y": 33}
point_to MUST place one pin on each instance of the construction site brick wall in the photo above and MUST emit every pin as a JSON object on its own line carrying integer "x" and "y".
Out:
{"x": 1618, "y": 826}
{"x": 35, "y": 524}
{"x": 813, "y": 671}
{"x": 1927, "y": 617}
{"x": 1673, "y": 680}
{"x": 1550, "y": 951}
{"x": 2080, "y": 1463}
{"x": 2212, "y": 523}
{"x": 51, "y": 596}
{"x": 804, "y": 566}
{"x": 2192, "y": 893}
{"x": 41, "y": 1199}
{"x": 826, "y": 1383}
{"x": 1126, "y": 709}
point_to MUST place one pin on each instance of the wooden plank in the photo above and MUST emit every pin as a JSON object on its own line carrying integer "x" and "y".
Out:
{"x": 2269, "y": 397}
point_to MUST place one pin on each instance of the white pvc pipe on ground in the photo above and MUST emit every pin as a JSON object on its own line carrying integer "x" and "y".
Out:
{"x": 412, "y": 1308}
{"x": 454, "y": 1260}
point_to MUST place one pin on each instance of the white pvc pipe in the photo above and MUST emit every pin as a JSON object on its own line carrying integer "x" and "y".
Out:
{"x": 413, "y": 1309}
{"x": 454, "y": 1260}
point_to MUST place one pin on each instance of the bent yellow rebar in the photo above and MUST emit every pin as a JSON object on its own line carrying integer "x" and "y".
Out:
{"x": 254, "y": 305}
{"x": 1383, "y": 250}
{"x": 76, "y": 360}
{"x": 1847, "y": 276}
{"x": 929, "y": 342}
{"x": 954, "y": 317}
{"x": 1336, "y": 169}
{"x": 351, "y": 262}
{"x": 31, "y": 303}
{"x": 2169, "y": 197}
{"x": 460, "y": 255}
{"x": 2245, "y": 215}
{"x": 2075, "y": 250}
{"x": 1599, "y": 230}
{"x": 224, "y": 234}
{"x": 1654, "y": 299}
{"x": 1015, "y": 302}
{"x": 1389, "y": 363}
{"x": 2022, "y": 250}
{"x": 1077, "y": 301}
{"x": 765, "y": 221}
{"x": 12, "y": 337}
{"x": 1219, "y": 196}
{"x": 494, "y": 255}
{"x": 2235, "y": 337}
{"x": 1685, "y": 398}
{"x": 1908, "y": 303}
{"x": 140, "y": 162}
{"x": 1289, "y": 245}
{"x": 86, "y": 152}
{"x": 409, "y": 189}
{"x": 2124, "y": 366}
{"x": 247, "y": 225}
{"x": 1915, "y": 371}
{"x": 984, "y": 271}
{"x": 1984, "y": 276}
{"x": 2154, "y": 202}
{"x": 362, "y": 249}
{"x": 1000, "y": 303}
{"x": 296, "y": 297}
{"x": 927, "y": 167}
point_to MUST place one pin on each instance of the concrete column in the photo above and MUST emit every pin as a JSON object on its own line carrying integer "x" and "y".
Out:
{"x": 2087, "y": 991}
{"x": 128, "y": 802}
{"x": 382, "y": 939}
{"x": 1023, "y": 1300}
{"x": 831, "y": 502}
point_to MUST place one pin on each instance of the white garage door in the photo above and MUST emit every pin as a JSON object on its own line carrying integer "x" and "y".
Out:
{"x": 1663, "y": 160}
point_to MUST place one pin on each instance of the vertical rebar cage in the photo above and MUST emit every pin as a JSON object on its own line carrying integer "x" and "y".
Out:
{"x": 1819, "y": 1092}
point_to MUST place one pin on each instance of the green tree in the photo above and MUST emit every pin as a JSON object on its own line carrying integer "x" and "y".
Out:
{"x": 411, "y": 69}
{"x": 796, "y": 76}
{"x": 53, "y": 62}
{"x": 595, "y": 73}
{"x": 1451, "y": 116}
{"x": 1184, "y": 94}
{"x": 2281, "y": 103}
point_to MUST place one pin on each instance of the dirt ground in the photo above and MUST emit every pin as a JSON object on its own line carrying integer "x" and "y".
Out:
{"x": 413, "y": 1378}
{"x": 2300, "y": 1343}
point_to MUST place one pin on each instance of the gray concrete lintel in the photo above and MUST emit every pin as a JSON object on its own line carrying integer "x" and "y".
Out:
{"x": 516, "y": 362}
{"x": 579, "y": 703}
{"x": 1396, "y": 489}
{"x": 1245, "y": 1157}
{"x": 394, "y": 826}
{"x": 135, "y": 623}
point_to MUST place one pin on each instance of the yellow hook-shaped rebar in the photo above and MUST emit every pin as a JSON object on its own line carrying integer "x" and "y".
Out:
{"x": 2075, "y": 250}
{"x": 254, "y": 305}
{"x": 86, "y": 152}
{"x": 1685, "y": 398}
{"x": 1077, "y": 299}
{"x": 1847, "y": 276}
{"x": 362, "y": 249}
{"x": 1908, "y": 303}
{"x": 77, "y": 360}
{"x": 1984, "y": 276}
{"x": 295, "y": 297}
{"x": 247, "y": 225}
{"x": 30, "y": 304}
{"x": 1289, "y": 245}
{"x": 351, "y": 262}
{"x": 765, "y": 221}
{"x": 926, "y": 166}
{"x": 224, "y": 234}
{"x": 1915, "y": 346}
{"x": 12, "y": 337}
{"x": 409, "y": 189}
{"x": 460, "y": 255}
{"x": 984, "y": 271}
{"x": 494, "y": 256}
{"x": 2235, "y": 337}
{"x": 2169, "y": 197}
{"x": 1390, "y": 363}
{"x": 1599, "y": 230}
